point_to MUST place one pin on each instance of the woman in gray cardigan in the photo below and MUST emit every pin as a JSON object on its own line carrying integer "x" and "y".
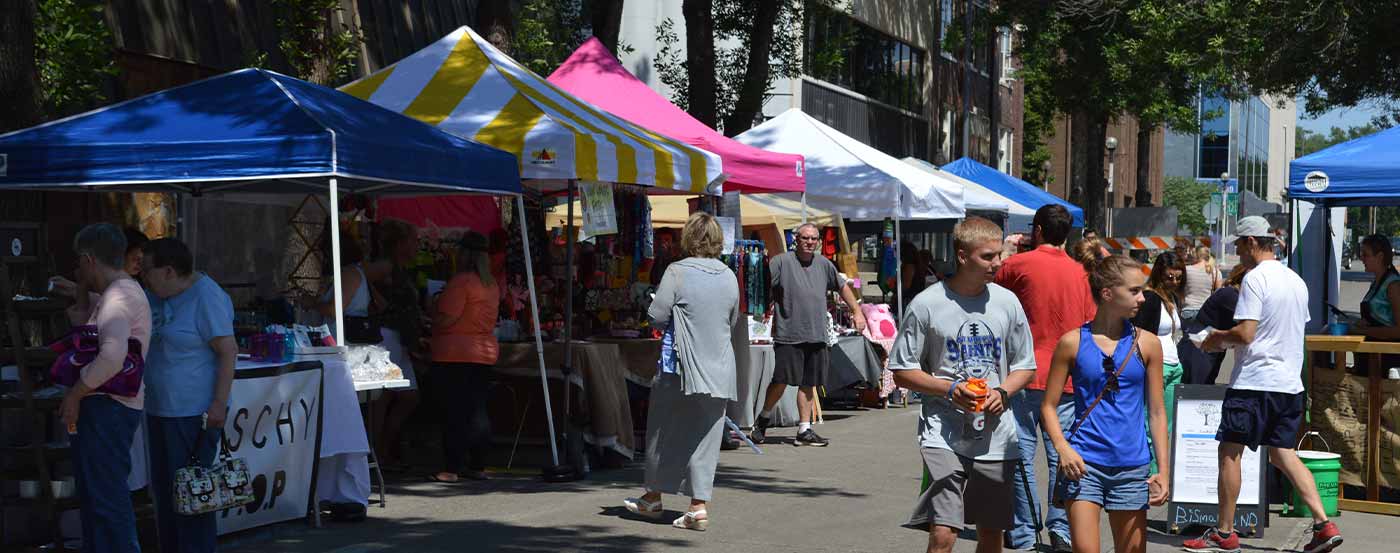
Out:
{"x": 699, "y": 297}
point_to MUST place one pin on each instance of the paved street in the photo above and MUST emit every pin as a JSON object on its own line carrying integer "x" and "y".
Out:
{"x": 848, "y": 497}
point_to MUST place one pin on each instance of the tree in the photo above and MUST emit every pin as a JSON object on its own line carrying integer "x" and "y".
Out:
{"x": 1188, "y": 196}
{"x": 317, "y": 51}
{"x": 18, "y": 73}
{"x": 607, "y": 22}
{"x": 700, "y": 60}
{"x": 495, "y": 22}
{"x": 755, "y": 85}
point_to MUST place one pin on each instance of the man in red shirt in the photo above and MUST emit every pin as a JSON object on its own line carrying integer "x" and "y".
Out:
{"x": 1054, "y": 291}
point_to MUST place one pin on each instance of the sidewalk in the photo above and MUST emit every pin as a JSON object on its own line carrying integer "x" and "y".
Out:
{"x": 851, "y": 496}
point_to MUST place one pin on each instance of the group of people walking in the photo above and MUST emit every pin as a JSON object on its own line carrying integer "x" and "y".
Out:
{"x": 1076, "y": 353}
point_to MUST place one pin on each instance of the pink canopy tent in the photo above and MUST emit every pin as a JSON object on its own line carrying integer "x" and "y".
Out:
{"x": 594, "y": 74}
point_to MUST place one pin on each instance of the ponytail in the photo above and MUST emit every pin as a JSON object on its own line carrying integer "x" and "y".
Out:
{"x": 1109, "y": 272}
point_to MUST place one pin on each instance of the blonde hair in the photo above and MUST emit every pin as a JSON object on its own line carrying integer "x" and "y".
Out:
{"x": 702, "y": 236}
{"x": 473, "y": 257}
{"x": 974, "y": 231}
{"x": 1088, "y": 252}
{"x": 1110, "y": 272}
{"x": 1204, "y": 255}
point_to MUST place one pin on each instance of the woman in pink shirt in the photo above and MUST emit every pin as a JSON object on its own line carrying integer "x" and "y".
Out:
{"x": 102, "y": 424}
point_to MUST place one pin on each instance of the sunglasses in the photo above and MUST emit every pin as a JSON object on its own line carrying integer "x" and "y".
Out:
{"x": 1110, "y": 375}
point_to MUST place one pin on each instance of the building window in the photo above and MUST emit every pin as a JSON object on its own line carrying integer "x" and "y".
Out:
{"x": 1214, "y": 156}
{"x": 981, "y": 137}
{"x": 1004, "y": 45}
{"x": 1004, "y": 144}
{"x": 945, "y": 143}
{"x": 945, "y": 22}
{"x": 855, "y": 56}
{"x": 1253, "y": 147}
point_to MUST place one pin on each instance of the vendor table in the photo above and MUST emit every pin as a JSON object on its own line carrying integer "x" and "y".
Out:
{"x": 1358, "y": 416}
{"x": 368, "y": 392}
{"x": 600, "y": 371}
{"x": 639, "y": 356}
{"x": 853, "y": 361}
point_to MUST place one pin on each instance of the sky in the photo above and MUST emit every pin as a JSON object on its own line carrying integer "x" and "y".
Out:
{"x": 1342, "y": 118}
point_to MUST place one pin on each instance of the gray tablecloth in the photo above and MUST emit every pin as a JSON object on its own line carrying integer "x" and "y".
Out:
{"x": 853, "y": 360}
{"x": 754, "y": 371}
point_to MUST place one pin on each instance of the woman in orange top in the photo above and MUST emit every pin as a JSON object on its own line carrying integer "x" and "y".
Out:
{"x": 464, "y": 349}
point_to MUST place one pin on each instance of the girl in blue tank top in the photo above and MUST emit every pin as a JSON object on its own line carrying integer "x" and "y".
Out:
{"x": 1104, "y": 457}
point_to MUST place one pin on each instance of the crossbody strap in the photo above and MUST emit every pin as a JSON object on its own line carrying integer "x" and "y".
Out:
{"x": 1131, "y": 353}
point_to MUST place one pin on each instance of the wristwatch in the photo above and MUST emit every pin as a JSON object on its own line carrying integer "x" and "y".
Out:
{"x": 1003, "y": 394}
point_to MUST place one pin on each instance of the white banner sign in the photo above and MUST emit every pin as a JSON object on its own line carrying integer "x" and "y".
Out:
{"x": 1196, "y": 465}
{"x": 599, "y": 213}
{"x": 727, "y": 225}
{"x": 274, "y": 423}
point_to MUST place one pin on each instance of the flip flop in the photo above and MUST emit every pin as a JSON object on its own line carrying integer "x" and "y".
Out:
{"x": 434, "y": 478}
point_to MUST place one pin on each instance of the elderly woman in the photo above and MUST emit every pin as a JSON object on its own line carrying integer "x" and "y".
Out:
{"x": 699, "y": 295}
{"x": 189, "y": 374}
{"x": 103, "y": 421}
{"x": 1380, "y": 306}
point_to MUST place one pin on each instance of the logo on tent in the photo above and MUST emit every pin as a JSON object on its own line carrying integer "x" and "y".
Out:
{"x": 1316, "y": 181}
{"x": 542, "y": 156}
{"x": 4, "y": 164}
{"x": 799, "y": 169}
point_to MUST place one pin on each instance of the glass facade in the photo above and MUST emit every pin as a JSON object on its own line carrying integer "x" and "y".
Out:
{"x": 1252, "y": 148}
{"x": 1214, "y": 157}
{"x": 855, "y": 56}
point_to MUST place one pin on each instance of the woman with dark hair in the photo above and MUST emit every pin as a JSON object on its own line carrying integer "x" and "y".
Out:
{"x": 1218, "y": 312}
{"x": 400, "y": 324}
{"x": 464, "y": 350}
{"x": 912, "y": 272}
{"x": 1380, "y": 308}
{"x": 1161, "y": 315}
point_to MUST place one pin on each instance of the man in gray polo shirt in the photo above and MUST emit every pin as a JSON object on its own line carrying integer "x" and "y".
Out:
{"x": 801, "y": 280}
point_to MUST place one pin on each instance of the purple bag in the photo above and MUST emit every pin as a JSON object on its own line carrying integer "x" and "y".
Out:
{"x": 80, "y": 347}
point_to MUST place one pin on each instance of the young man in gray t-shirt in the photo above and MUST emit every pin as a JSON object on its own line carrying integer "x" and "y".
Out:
{"x": 801, "y": 279}
{"x": 955, "y": 331}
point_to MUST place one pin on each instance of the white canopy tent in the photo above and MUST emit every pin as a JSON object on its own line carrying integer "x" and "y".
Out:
{"x": 860, "y": 182}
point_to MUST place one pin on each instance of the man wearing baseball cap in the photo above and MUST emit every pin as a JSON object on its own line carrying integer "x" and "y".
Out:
{"x": 1265, "y": 402}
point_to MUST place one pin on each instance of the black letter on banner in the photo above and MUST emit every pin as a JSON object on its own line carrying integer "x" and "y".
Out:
{"x": 305, "y": 407}
{"x": 284, "y": 417}
{"x": 259, "y": 492}
{"x": 259, "y": 442}
{"x": 279, "y": 483}
{"x": 233, "y": 446}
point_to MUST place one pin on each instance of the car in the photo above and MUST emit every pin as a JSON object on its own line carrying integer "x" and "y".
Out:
{"x": 1395, "y": 245}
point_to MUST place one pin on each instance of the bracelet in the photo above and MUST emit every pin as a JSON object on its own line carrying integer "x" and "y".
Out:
{"x": 954, "y": 387}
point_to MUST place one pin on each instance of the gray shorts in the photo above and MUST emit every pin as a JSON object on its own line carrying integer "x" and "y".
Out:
{"x": 953, "y": 477}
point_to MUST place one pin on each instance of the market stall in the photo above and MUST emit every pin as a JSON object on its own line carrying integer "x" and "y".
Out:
{"x": 1356, "y": 408}
{"x": 465, "y": 86}
{"x": 1016, "y": 191}
{"x": 256, "y": 134}
{"x": 977, "y": 198}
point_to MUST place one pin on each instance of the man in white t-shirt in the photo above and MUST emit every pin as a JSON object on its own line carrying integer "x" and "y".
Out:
{"x": 1265, "y": 402}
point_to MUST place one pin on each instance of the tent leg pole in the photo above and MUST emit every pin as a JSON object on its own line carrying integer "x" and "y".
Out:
{"x": 335, "y": 264}
{"x": 898, "y": 268}
{"x": 804, "y": 207}
{"x": 1326, "y": 261}
{"x": 535, "y": 316}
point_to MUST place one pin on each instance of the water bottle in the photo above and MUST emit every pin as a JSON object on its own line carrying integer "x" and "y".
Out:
{"x": 977, "y": 419}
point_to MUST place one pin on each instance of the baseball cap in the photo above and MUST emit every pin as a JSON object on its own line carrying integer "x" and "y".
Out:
{"x": 1253, "y": 225}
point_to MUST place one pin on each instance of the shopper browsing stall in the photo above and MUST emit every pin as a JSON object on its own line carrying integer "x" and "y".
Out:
{"x": 189, "y": 374}
{"x": 801, "y": 280}
{"x": 464, "y": 350}
{"x": 102, "y": 409}
{"x": 401, "y": 325}
{"x": 1104, "y": 455}
{"x": 1265, "y": 402}
{"x": 965, "y": 344}
{"x": 1382, "y": 301}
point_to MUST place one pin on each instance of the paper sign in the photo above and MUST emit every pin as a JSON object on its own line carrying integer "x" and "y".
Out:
{"x": 1196, "y": 466}
{"x": 599, "y": 214}
{"x": 727, "y": 225}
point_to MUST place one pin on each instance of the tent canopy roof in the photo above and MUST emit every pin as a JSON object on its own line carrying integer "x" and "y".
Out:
{"x": 465, "y": 86}
{"x": 1011, "y": 188}
{"x": 859, "y": 182}
{"x": 975, "y": 196}
{"x": 594, "y": 74}
{"x": 674, "y": 211}
{"x": 250, "y": 131}
{"x": 1360, "y": 172}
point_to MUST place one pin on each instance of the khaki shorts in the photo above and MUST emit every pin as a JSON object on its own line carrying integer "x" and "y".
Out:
{"x": 953, "y": 477}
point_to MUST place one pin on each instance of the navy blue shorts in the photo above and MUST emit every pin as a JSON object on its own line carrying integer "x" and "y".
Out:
{"x": 1254, "y": 418}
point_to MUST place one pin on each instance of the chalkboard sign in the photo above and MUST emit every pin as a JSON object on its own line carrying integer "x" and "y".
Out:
{"x": 1196, "y": 466}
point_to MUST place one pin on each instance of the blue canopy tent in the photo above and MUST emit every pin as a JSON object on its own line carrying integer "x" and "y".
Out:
{"x": 1357, "y": 173}
{"x": 1012, "y": 188}
{"x": 259, "y": 132}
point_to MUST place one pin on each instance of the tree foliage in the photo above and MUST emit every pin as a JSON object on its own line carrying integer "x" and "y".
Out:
{"x": 316, "y": 49}
{"x": 73, "y": 51}
{"x": 1188, "y": 197}
{"x": 546, "y": 32}
{"x": 1307, "y": 141}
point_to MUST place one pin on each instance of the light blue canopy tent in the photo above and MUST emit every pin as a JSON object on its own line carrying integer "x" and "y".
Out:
{"x": 259, "y": 132}
{"x": 1011, "y": 188}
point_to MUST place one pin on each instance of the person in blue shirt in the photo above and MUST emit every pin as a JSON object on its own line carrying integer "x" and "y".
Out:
{"x": 189, "y": 373}
{"x": 1104, "y": 456}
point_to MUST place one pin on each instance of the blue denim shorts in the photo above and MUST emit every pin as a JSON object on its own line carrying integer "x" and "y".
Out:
{"x": 1114, "y": 489}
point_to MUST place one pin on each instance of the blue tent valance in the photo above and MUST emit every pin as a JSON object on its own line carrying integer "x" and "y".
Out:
{"x": 250, "y": 131}
{"x": 1012, "y": 188}
{"x": 1360, "y": 172}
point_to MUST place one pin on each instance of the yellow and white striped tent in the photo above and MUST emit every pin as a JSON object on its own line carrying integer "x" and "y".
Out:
{"x": 465, "y": 86}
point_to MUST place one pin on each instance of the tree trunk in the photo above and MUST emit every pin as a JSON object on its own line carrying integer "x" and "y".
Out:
{"x": 607, "y": 22}
{"x": 1094, "y": 206}
{"x": 18, "y": 73}
{"x": 755, "y": 89}
{"x": 1143, "y": 196}
{"x": 494, "y": 22}
{"x": 1078, "y": 154}
{"x": 700, "y": 59}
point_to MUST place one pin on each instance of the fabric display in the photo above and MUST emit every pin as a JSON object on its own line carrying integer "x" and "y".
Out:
{"x": 610, "y": 266}
{"x": 829, "y": 235}
{"x": 750, "y": 265}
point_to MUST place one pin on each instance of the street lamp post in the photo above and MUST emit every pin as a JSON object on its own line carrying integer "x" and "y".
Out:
{"x": 1045, "y": 177}
{"x": 1112, "y": 145}
{"x": 1224, "y": 219}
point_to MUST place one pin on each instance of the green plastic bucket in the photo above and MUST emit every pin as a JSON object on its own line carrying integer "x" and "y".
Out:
{"x": 1326, "y": 468}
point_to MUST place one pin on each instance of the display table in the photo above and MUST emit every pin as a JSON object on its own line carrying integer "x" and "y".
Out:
{"x": 1358, "y": 416}
{"x": 754, "y": 372}
{"x": 639, "y": 357}
{"x": 853, "y": 361}
{"x": 600, "y": 373}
